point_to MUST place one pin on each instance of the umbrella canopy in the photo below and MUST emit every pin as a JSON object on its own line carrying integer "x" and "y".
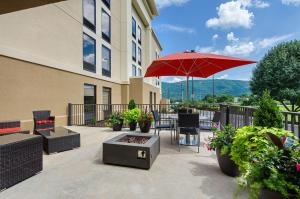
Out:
{"x": 192, "y": 64}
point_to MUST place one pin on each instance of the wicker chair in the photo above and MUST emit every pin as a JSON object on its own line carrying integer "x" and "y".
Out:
{"x": 162, "y": 124}
{"x": 43, "y": 120}
{"x": 188, "y": 124}
{"x": 11, "y": 127}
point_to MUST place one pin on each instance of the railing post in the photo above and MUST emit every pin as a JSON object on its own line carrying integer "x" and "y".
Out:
{"x": 247, "y": 117}
{"x": 70, "y": 114}
{"x": 227, "y": 115}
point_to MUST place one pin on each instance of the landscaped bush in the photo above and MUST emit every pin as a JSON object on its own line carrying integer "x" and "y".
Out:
{"x": 131, "y": 104}
{"x": 115, "y": 121}
{"x": 268, "y": 159}
{"x": 223, "y": 139}
{"x": 145, "y": 120}
{"x": 268, "y": 113}
{"x": 131, "y": 117}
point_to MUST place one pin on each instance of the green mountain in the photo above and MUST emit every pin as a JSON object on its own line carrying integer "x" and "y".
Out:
{"x": 205, "y": 87}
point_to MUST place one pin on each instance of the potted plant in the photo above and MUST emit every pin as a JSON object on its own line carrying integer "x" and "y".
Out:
{"x": 222, "y": 144}
{"x": 116, "y": 121}
{"x": 145, "y": 120}
{"x": 131, "y": 117}
{"x": 267, "y": 170}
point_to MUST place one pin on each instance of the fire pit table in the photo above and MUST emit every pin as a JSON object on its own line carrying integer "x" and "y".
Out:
{"x": 133, "y": 150}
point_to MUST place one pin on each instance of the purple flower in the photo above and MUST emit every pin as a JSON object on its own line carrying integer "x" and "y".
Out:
{"x": 298, "y": 167}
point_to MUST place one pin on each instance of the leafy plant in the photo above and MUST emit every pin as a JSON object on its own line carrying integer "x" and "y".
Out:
{"x": 268, "y": 113}
{"x": 115, "y": 118}
{"x": 131, "y": 116}
{"x": 266, "y": 162}
{"x": 131, "y": 105}
{"x": 145, "y": 118}
{"x": 223, "y": 139}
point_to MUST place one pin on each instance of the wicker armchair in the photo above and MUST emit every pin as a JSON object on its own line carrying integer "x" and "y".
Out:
{"x": 162, "y": 124}
{"x": 11, "y": 127}
{"x": 43, "y": 120}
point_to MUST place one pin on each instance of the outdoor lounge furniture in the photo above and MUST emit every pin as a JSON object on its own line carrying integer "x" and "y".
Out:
{"x": 59, "y": 139}
{"x": 11, "y": 127}
{"x": 162, "y": 124}
{"x": 188, "y": 124}
{"x": 43, "y": 120}
{"x": 21, "y": 156}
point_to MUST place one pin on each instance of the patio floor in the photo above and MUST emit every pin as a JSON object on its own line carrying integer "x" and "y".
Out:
{"x": 80, "y": 174}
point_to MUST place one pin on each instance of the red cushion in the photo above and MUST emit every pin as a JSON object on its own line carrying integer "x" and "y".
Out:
{"x": 51, "y": 121}
{"x": 42, "y": 121}
{"x": 10, "y": 130}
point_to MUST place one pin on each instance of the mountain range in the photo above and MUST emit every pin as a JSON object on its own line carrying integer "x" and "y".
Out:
{"x": 205, "y": 87}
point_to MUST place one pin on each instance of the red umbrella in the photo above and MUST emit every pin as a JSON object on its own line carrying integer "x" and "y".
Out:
{"x": 192, "y": 64}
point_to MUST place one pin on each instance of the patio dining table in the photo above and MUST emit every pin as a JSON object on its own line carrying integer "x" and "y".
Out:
{"x": 187, "y": 140}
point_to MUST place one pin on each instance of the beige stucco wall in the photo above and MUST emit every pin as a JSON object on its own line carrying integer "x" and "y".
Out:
{"x": 26, "y": 87}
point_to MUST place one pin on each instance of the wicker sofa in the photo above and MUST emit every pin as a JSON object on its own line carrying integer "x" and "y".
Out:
{"x": 43, "y": 120}
{"x": 11, "y": 127}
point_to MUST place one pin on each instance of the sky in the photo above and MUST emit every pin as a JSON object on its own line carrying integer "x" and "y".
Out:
{"x": 238, "y": 28}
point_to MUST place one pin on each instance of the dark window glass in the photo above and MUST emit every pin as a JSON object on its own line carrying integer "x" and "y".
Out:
{"x": 89, "y": 53}
{"x": 89, "y": 14}
{"x": 107, "y": 3}
{"x": 106, "y": 61}
{"x": 89, "y": 98}
{"x": 140, "y": 72}
{"x": 139, "y": 35}
{"x": 133, "y": 70}
{"x": 105, "y": 26}
{"x": 133, "y": 51}
{"x": 133, "y": 27}
{"x": 139, "y": 55}
{"x": 106, "y": 95}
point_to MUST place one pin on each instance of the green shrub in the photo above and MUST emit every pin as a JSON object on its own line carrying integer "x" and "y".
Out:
{"x": 115, "y": 118}
{"x": 223, "y": 140}
{"x": 131, "y": 104}
{"x": 268, "y": 113}
{"x": 131, "y": 116}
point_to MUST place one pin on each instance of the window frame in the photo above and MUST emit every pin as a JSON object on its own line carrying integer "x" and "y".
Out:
{"x": 107, "y": 38}
{"x": 139, "y": 55}
{"x": 140, "y": 34}
{"x": 134, "y": 69}
{"x": 86, "y": 65}
{"x": 134, "y": 54}
{"x": 106, "y": 3}
{"x": 133, "y": 31}
{"x": 105, "y": 72}
{"x": 139, "y": 72}
{"x": 86, "y": 22}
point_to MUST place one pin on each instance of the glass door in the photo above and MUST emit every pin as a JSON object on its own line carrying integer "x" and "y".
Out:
{"x": 89, "y": 104}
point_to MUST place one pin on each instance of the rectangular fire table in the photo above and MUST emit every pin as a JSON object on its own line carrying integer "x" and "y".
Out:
{"x": 131, "y": 149}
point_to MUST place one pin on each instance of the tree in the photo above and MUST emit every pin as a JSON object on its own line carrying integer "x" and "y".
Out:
{"x": 279, "y": 72}
{"x": 131, "y": 104}
{"x": 268, "y": 113}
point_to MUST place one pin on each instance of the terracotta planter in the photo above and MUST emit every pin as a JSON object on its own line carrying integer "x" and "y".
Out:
{"x": 117, "y": 127}
{"x": 268, "y": 194}
{"x": 132, "y": 126}
{"x": 227, "y": 166}
{"x": 145, "y": 127}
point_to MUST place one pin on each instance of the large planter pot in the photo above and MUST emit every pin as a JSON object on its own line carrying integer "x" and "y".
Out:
{"x": 227, "y": 166}
{"x": 117, "y": 127}
{"x": 145, "y": 127}
{"x": 268, "y": 194}
{"x": 132, "y": 126}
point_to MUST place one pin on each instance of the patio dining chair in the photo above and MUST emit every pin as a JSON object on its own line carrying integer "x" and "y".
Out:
{"x": 188, "y": 124}
{"x": 163, "y": 124}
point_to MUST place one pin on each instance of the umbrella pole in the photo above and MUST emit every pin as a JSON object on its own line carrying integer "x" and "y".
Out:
{"x": 187, "y": 87}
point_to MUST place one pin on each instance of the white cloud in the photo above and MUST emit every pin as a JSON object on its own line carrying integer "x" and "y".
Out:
{"x": 90, "y": 58}
{"x": 215, "y": 37}
{"x": 232, "y": 14}
{"x": 225, "y": 76}
{"x": 208, "y": 49}
{"x": 239, "y": 49}
{"x": 174, "y": 28}
{"x": 175, "y": 79}
{"x": 291, "y": 2}
{"x": 262, "y": 4}
{"x": 231, "y": 37}
{"x": 167, "y": 3}
{"x": 269, "y": 42}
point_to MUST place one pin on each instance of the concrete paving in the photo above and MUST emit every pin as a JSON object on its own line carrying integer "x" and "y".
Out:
{"x": 80, "y": 174}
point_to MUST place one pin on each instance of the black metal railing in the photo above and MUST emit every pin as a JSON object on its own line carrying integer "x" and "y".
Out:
{"x": 97, "y": 114}
{"x": 239, "y": 116}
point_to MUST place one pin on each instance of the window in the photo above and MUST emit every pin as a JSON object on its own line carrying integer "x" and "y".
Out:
{"x": 133, "y": 70}
{"x": 156, "y": 55}
{"x": 89, "y": 53}
{"x": 133, "y": 51}
{"x": 140, "y": 72}
{"x": 89, "y": 98}
{"x": 133, "y": 27}
{"x": 154, "y": 98}
{"x": 106, "y": 95}
{"x": 105, "y": 26}
{"x": 89, "y": 14}
{"x": 139, "y": 32}
{"x": 107, "y": 3}
{"x": 106, "y": 61}
{"x": 139, "y": 55}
